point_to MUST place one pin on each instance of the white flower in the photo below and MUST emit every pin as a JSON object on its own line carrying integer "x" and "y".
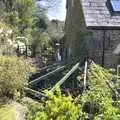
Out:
{"x": 9, "y": 31}
{"x": 1, "y": 30}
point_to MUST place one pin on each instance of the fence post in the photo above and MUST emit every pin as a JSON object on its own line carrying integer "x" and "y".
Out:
{"x": 85, "y": 75}
{"x": 66, "y": 76}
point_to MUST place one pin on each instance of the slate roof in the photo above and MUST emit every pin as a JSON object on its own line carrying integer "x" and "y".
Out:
{"x": 98, "y": 15}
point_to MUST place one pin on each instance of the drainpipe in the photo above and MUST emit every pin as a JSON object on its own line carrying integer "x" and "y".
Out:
{"x": 103, "y": 47}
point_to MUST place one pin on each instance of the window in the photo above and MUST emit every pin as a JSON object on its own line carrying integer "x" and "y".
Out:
{"x": 115, "y": 4}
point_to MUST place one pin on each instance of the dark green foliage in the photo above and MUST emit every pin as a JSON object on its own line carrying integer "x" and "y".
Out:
{"x": 41, "y": 23}
{"x": 96, "y": 103}
{"x": 19, "y": 11}
{"x": 28, "y": 21}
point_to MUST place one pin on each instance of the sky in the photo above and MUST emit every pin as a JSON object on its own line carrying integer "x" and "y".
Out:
{"x": 58, "y": 11}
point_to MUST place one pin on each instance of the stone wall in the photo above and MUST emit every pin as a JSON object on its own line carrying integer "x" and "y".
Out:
{"x": 112, "y": 50}
{"x": 94, "y": 41}
{"x": 74, "y": 28}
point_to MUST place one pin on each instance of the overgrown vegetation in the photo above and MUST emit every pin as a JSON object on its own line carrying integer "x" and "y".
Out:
{"x": 56, "y": 107}
{"x": 7, "y": 46}
{"x": 26, "y": 20}
{"x": 98, "y": 102}
{"x": 14, "y": 73}
{"x": 23, "y": 19}
{"x": 32, "y": 108}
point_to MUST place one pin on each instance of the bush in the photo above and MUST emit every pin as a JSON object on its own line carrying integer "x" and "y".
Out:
{"x": 97, "y": 101}
{"x": 32, "y": 108}
{"x": 58, "y": 107}
{"x": 7, "y": 45}
{"x": 14, "y": 73}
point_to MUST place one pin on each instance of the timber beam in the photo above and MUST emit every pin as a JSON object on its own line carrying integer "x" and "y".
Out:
{"x": 47, "y": 75}
{"x": 66, "y": 76}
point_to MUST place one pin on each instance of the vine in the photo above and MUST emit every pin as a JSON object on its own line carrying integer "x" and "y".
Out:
{"x": 97, "y": 102}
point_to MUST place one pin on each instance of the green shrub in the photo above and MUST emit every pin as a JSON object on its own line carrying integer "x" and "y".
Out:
{"x": 58, "y": 107}
{"x": 32, "y": 108}
{"x": 98, "y": 101}
{"x": 14, "y": 73}
{"x": 7, "y": 45}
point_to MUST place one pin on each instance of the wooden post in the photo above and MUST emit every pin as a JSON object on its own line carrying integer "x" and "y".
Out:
{"x": 118, "y": 67}
{"x": 18, "y": 51}
{"x": 85, "y": 75}
{"x": 103, "y": 50}
{"x": 49, "y": 66}
{"x": 36, "y": 93}
{"x": 46, "y": 75}
{"x": 66, "y": 76}
{"x": 112, "y": 87}
{"x": 26, "y": 50}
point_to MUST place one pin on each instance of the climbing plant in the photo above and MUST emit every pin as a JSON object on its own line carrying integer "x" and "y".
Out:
{"x": 97, "y": 101}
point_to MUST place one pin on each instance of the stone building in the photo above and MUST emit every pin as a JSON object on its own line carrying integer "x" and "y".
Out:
{"x": 92, "y": 29}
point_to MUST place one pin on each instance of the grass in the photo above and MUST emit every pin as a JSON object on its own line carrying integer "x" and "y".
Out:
{"x": 6, "y": 112}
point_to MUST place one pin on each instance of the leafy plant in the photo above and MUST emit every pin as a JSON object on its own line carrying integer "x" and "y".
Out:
{"x": 58, "y": 107}
{"x": 14, "y": 73}
{"x": 32, "y": 108}
{"x": 7, "y": 46}
{"x": 98, "y": 101}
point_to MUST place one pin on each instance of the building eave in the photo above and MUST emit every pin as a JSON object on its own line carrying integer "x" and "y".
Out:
{"x": 103, "y": 27}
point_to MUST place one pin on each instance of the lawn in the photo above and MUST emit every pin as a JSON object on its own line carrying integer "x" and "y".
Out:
{"x": 6, "y": 112}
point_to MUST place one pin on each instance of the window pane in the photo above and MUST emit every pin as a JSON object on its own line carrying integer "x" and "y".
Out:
{"x": 116, "y": 5}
